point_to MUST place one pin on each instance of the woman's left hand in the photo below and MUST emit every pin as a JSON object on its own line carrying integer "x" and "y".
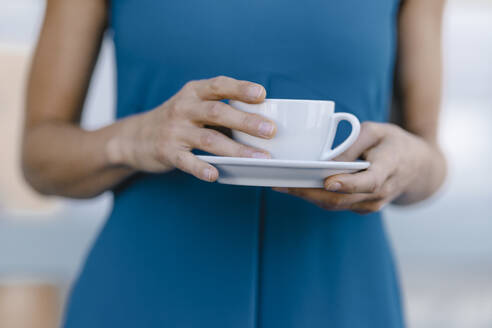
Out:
{"x": 397, "y": 158}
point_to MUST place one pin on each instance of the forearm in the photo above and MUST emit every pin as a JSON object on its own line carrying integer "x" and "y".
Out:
{"x": 62, "y": 159}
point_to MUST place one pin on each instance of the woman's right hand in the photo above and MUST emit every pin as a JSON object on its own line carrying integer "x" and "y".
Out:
{"x": 162, "y": 139}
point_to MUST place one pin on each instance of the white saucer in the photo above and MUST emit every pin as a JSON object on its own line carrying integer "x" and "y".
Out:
{"x": 279, "y": 172}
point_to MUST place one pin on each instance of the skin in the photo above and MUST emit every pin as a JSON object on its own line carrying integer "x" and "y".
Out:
{"x": 407, "y": 164}
{"x": 56, "y": 149}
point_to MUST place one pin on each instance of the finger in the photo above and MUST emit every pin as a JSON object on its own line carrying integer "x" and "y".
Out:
{"x": 189, "y": 163}
{"x": 221, "y": 114}
{"x": 383, "y": 165}
{"x": 223, "y": 87}
{"x": 326, "y": 199}
{"x": 388, "y": 192}
{"x": 216, "y": 143}
{"x": 368, "y": 181}
{"x": 369, "y": 206}
{"x": 370, "y": 135}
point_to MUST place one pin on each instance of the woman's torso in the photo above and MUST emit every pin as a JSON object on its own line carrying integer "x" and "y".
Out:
{"x": 179, "y": 252}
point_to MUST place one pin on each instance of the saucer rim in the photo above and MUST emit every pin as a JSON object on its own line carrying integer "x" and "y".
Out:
{"x": 246, "y": 161}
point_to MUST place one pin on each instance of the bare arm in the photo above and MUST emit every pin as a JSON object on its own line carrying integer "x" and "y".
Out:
{"x": 419, "y": 75}
{"x": 55, "y": 148}
{"x": 60, "y": 158}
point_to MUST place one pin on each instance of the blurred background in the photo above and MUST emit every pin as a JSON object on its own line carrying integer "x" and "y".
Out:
{"x": 443, "y": 246}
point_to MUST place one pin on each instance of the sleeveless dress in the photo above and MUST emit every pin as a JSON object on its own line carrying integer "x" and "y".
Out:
{"x": 179, "y": 252}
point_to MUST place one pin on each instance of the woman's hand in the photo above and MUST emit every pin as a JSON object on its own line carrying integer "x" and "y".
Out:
{"x": 400, "y": 163}
{"x": 163, "y": 138}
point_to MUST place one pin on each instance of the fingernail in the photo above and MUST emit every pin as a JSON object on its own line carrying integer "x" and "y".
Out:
{"x": 266, "y": 129}
{"x": 254, "y": 92}
{"x": 207, "y": 174}
{"x": 334, "y": 186}
{"x": 258, "y": 154}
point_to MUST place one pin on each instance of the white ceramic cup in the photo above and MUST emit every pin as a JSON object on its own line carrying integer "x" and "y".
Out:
{"x": 305, "y": 128}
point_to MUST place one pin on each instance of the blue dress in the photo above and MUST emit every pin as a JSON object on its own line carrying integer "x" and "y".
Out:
{"x": 179, "y": 252}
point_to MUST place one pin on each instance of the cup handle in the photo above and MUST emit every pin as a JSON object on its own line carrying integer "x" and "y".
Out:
{"x": 329, "y": 153}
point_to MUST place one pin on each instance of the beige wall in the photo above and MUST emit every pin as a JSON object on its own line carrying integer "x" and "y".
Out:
{"x": 15, "y": 195}
{"x": 29, "y": 305}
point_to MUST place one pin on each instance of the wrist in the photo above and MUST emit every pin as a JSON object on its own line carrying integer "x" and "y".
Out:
{"x": 430, "y": 173}
{"x": 120, "y": 147}
{"x": 434, "y": 163}
{"x": 114, "y": 154}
